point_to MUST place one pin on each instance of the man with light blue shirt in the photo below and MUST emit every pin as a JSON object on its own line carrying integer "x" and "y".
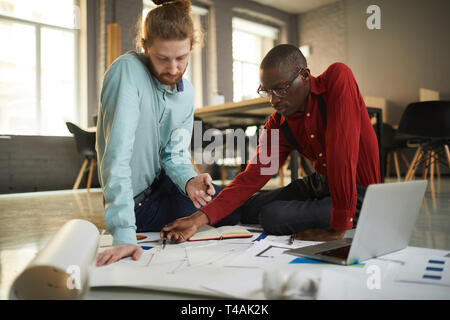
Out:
{"x": 144, "y": 129}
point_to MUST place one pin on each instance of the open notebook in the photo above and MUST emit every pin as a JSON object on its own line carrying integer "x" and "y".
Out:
{"x": 226, "y": 232}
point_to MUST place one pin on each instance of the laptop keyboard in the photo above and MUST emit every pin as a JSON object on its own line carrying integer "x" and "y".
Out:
{"x": 341, "y": 252}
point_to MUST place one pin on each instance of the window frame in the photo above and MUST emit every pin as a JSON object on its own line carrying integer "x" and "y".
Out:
{"x": 38, "y": 76}
{"x": 263, "y": 23}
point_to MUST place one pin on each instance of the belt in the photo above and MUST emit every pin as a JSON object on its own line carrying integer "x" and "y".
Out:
{"x": 146, "y": 193}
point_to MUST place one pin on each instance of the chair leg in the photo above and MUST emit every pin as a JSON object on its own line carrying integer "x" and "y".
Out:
{"x": 427, "y": 165}
{"x": 80, "y": 174}
{"x": 448, "y": 154}
{"x": 438, "y": 169}
{"x": 301, "y": 171}
{"x": 413, "y": 162}
{"x": 388, "y": 164}
{"x": 431, "y": 159}
{"x": 310, "y": 166}
{"x": 413, "y": 174}
{"x": 91, "y": 171}
{"x": 397, "y": 168}
{"x": 433, "y": 195}
{"x": 282, "y": 170}
{"x": 405, "y": 160}
{"x": 281, "y": 174}
{"x": 223, "y": 174}
{"x": 438, "y": 172}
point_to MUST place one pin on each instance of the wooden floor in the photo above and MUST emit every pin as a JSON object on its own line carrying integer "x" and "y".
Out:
{"x": 28, "y": 220}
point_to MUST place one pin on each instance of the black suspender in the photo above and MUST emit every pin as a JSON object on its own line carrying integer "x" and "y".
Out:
{"x": 288, "y": 133}
{"x": 323, "y": 110}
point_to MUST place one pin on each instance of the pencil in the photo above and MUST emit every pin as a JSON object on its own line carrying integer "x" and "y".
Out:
{"x": 291, "y": 239}
{"x": 164, "y": 240}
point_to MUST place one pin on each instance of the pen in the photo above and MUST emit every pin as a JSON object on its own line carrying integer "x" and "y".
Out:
{"x": 291, "y": 239}
{"x": 164, "y": 241}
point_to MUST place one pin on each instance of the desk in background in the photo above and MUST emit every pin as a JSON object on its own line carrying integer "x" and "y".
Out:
{"x": 255, "y": 112}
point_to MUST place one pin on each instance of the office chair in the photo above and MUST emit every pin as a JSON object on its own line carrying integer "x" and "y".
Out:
{"x": 426, "y": 125}
{"x": 391, "y": 147}
{"x": 85, "y": 142}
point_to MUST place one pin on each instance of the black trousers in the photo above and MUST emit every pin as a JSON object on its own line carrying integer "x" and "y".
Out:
{"x": 303, "y": 204}
{"x": 166, "y": 203}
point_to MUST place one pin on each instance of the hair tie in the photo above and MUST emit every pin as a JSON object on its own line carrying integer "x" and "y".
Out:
{"x": 168, "y": 2}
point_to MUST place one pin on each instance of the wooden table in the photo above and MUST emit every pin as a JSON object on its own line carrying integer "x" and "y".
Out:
{"x": 256, "y": 111}
{"x": 241, "y": 114}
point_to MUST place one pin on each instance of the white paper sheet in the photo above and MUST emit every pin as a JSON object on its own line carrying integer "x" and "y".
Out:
{"x": 184, "y": 267}
{"x": 265, "y": 253}
{"x": 247, "y": 283}
{"x": 244, "y": 284}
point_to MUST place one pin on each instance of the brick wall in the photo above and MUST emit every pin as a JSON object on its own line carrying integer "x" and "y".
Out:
{"x": 34, "y": 163}
{"x": 408, "y": 52}
{"x": 324, "y": 29}
{"x": 393, "y": 62}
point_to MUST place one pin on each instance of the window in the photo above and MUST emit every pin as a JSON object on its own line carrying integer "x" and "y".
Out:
{"x": 251, "y": 41}
{"x": 38, "y": 66}
{"x": 195, "y": 70}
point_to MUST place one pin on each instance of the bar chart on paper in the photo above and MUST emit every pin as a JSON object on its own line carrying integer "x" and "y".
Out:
{"x": 426, "y": 269}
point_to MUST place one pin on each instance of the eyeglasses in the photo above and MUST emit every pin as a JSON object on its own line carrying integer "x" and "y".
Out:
{"x": 279, "y": 92}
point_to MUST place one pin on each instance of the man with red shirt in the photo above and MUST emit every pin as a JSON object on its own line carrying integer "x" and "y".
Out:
{"x": 326, "y": 120}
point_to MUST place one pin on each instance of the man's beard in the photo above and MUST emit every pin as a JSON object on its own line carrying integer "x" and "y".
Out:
{"x": 165, "y": 77}
{"x": 168, "y": 79}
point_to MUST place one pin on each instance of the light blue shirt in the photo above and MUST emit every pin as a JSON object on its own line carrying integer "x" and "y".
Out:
{"x": 141, "y": 128}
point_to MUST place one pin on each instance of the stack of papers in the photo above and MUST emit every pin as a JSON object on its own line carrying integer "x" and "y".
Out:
{"x": 398, "y": 275}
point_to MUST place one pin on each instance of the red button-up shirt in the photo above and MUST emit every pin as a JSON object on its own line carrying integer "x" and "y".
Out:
{"x": 347, "y": 151}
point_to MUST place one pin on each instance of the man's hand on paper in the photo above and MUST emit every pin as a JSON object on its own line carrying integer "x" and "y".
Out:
{"x": 200, "y": 189}
{"x": 118, "y": 252}
{"x": 320, "y": 235}
{"x": 183, "y": 228}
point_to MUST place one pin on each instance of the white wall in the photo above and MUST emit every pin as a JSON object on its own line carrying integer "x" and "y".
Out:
{"x": 410, "y": 51}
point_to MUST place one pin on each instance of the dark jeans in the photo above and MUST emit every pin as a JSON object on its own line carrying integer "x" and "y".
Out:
{"x": 301, "y": 205}
{"x": 167, "y": 203}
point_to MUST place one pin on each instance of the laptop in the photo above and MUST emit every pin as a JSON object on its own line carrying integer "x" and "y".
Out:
{"x": 385, "y": 225}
